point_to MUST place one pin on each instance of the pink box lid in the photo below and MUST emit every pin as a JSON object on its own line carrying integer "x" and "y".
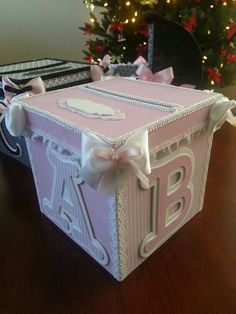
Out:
{"x": 143, "y": 104}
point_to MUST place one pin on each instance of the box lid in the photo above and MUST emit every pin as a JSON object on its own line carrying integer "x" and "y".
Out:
{"x": 167, "y": 95}
{"x": 22, "y": 72}
{"x": 134, "y": 105}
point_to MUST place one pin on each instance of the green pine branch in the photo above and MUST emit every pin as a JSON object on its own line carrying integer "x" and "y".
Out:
{"x": 209, "y": 22}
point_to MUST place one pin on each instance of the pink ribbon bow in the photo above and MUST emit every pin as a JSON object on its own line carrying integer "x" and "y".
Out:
{"x": 10, "y": 109}
{"x": 144, "y": 73}
{"x": 106, "y": 169}
{"x": 120, "y": 159}
{"x": 97, "y": 71}
{"x": 33, "y": 87}
{"x": 106, "y": 61}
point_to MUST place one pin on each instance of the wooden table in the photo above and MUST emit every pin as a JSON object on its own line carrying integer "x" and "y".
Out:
{"x": 42, "y": 271}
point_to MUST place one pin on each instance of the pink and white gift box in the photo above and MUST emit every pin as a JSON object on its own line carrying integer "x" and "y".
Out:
{"x": 121, "y": 165}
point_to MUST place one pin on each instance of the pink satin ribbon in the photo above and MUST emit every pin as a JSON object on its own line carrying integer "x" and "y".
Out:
{"x": 121, "y": 159}
{"x": 4, "y": 107}
{"x": 144, "y": 73}
{"x": 97, "y": 71}
{"x": 11, "y": 90}
{"x": 106, "y": 61}
{"x": 33, "y": 87}
{"x": 165, "y": 76}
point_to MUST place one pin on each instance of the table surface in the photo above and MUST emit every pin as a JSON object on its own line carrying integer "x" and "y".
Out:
{"x": 42, "y": 271}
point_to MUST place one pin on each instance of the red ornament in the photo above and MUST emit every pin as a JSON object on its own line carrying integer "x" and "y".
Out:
{"x": 88, "y": 30}
{"x": 143, "y": 32}
{"x": 191, "y": 24}
{"x": 231, "y": 32}
{"x": 100, "y": 48}
{"x": 119, "y": 27}
{"x": 230, "y": 58}
{"x": 88, "y": 43}
{"x": 223, "y": 52}
{"x": 214, "y": 75}
{"x": 89, "y": 58}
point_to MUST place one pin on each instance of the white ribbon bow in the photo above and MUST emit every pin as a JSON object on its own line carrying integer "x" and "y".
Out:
{"x": 220, "y": 112}
{"x": 13, "y": 113}
{"x": 106, "y": 169}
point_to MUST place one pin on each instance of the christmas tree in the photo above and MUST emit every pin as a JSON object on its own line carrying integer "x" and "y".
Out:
{"x": 121, "y": 30}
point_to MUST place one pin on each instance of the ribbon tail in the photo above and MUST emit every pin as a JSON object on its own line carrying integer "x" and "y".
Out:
{"x": 96, "y": 72}
{"x": 2, "y": 116}
{"x": 37, "y": 85}
{"x": 140, "y": 60}
{"x": 140, "y": 175}
{"x": 106, "y": 185}
{"x": 144, "y": 179}
{"x": 110, "y": 183}
{"x": 6, "y": 82}
{"x": 165, "y": 76}
{"x": 15, "y": 119}
{"x": 105, "y": 63}
{"x": 2, "y": 108}
{"x": 231, "y": 118}
{"x": 144, "y": 73}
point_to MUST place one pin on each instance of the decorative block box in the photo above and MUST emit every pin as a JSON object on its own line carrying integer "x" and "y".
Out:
{"x": 56, "y": 74}
{"x": 121, "y": 165}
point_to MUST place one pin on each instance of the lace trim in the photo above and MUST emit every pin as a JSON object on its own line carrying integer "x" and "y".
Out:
{"x": 117, "y": 232}
{"x": 172, "y": 145}
{"x": 122, "y": 236}
{"x": 111, "y": 203}
{"x": 66, "y": 79}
